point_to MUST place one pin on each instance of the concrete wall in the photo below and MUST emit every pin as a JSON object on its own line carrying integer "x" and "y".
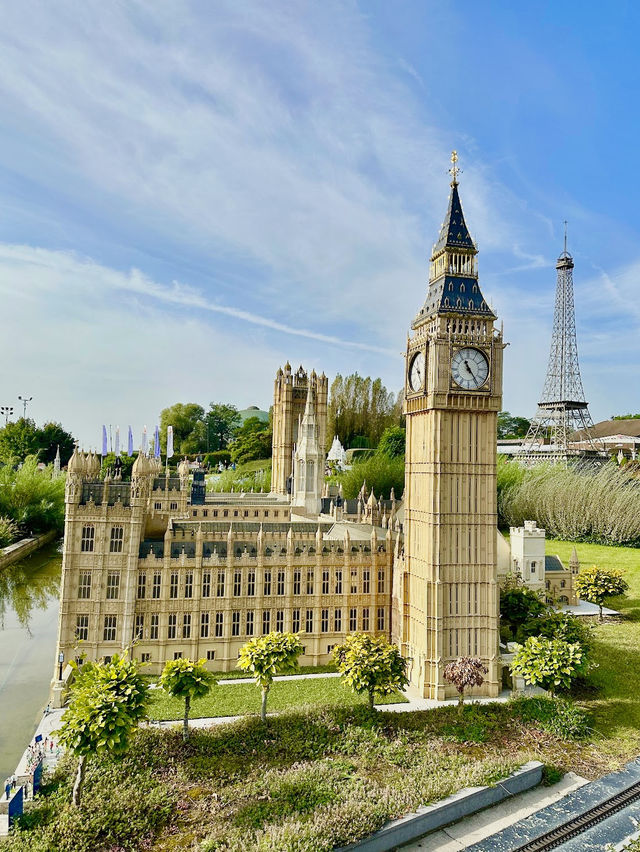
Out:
{"x": 24, "y": 547}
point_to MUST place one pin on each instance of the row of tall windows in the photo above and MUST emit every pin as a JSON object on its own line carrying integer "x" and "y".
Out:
{"x": 88, "y": 539}
{"x": 184, "y": 625}
{"x": 187, "y": 589}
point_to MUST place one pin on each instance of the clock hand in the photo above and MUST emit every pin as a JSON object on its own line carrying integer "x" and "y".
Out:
{"x": 469, "y": 370}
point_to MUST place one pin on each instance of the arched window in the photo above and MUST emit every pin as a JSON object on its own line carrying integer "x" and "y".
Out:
{"x": 446, "y": 303}
{"x": 450, "y": 286}
{"x": 462, "y": 288}
{"x": 474, "y": 289}
{"x": 470, "y": 304}
{"x": 458, "y": 303}
{"x": 88, "y": 538}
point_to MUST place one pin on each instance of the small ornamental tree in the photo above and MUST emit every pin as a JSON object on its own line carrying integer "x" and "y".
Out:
{"x": 108, "y": 700}
{"x": 463, "y": 673}
{"x": 552, "y": 664}
{"x": 370, "y": 665}
{"x": 519, "y": 604}
{"x": 597, "y": 584}
{"x": 266, "y": 656}
{"x": 183, "y": 678}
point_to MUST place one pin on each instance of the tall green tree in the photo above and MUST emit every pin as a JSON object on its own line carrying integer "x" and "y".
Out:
{"x": 370, "y": 665}
{"x": 360, "y": 406}
{"x": 253, "y": 441}
{"x": 266, "y": 656}
{"x": 108, "y": 701}
{"x": 223, "y": 422}
{"x": 186, "y": 679}
{"x": 596, "y": 585}
{"x": 183, "y": 417}
{"x": 19, "y": 439}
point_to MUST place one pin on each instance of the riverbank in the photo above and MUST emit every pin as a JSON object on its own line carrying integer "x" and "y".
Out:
{"x": 19, "y": 550}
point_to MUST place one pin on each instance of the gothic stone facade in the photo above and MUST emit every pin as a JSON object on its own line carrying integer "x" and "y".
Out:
{"x": 143, "y": 561}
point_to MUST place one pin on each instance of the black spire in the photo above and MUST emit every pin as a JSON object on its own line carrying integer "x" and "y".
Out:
{"x": 453, "y": 279}
{"x": 454, "y": 231}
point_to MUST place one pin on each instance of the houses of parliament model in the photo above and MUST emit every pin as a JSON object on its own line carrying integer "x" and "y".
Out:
{"x": 186, "y": 572}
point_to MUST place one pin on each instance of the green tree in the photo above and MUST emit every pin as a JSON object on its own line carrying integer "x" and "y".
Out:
{"x": 33, "y": 498}
{"x": 625, "y": 416}
{"x": 183, "y": 678}
{"x": 266, "y": 656}
{"x": 464, "y": 673}
{"x": 552, "y": 664}
{"x": 109, "y": 461}
{"x": 597, "y": 584}
{"x": 553, "y": 624}
{"x": 18, "y": 439}
{"x": 183, "y": 417}
{"x": 360, "y": 406}
{"x": 370, "y": 665}
{"x": 108, "y": 700}
{"x": 512, "y": 427}
{"x": 222, "y": 421}
{"x": 393, "y": 442}
{"x": 519, "y": 604}
{"x": 252, "y": 441}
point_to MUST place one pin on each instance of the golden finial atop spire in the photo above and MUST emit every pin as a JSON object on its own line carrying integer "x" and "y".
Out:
{"x": 454, "y": 171}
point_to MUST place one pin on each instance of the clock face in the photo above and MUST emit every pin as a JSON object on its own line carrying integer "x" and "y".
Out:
{"x": 416, "y": 372}
{"x": 469, "y": 368}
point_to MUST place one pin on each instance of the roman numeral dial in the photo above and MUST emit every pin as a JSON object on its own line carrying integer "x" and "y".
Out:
{"x": 469, "y": 368}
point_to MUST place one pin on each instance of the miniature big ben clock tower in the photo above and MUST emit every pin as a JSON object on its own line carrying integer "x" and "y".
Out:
{"x": 453, "y": 393}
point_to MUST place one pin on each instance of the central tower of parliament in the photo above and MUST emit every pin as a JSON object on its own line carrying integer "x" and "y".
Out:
{"x": 160, "y": 564}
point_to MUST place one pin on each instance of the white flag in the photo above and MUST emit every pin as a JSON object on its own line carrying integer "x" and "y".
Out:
{"x": 145, "y": 442}
{"x": 169, "y": 441}
{"x": 117, "y": 440}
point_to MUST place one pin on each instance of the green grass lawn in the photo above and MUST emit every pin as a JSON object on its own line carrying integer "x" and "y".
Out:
{"x": 613, "y": 695}
{"x": 305, "y": 781}
{"x": 241, "y": 698}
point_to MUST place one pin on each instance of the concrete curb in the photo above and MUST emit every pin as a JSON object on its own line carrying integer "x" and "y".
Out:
{"x": 461, "y": 804}
{"x": 26, "y": 546}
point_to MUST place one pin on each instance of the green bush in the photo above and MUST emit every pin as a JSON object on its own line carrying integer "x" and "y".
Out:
{"x": 213, "y": 459}
{"x": 32, "y": 498}
{"x": 558, "y": 716}
{"x": 9, "y": 531}
{"x": 380, "y": 472}
{"x": 554, "y": 624}
{"x": 254, "y": 475}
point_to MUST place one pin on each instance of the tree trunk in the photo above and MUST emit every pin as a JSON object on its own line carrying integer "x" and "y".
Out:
{"x": 79, "y": 780}
{"x": 461, "y": 702}
{"x": 185, "y": 727}
{"x": 371, "y": 697}
{"x": 263, "y": 706}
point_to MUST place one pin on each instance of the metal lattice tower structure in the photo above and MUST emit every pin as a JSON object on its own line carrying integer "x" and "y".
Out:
{"x": 563, "y": 410}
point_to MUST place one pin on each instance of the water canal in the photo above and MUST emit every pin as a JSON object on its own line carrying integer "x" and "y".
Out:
{"x": 28, "y": 625}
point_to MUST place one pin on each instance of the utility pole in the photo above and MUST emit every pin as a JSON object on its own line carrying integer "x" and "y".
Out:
{"x": 7, "y": 410}
{"x": 25, "y": 400}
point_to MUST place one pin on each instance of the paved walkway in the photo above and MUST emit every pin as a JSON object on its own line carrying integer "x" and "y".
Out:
{"x": 473, "y": 829}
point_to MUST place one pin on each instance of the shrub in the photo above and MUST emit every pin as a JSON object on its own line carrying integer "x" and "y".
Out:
{"x": 519, "y": 604}
{"x": 552, "y": 664}
{"x": 31, "y": 497}
{"x": 370, "y": 665}
{"x": 553, "y": 624}
{"x": 558, "y": 716}
{"x": 9, "y": 531}
{"x": 245, "y": 478}
{"x": 213, "y": 459}
{"x": 184, "y": 678}
{"x": 577, "y": 503}
{"x": 463, "y": 673}
{"x": 597, "y": 584}
{"x": 380, "y": 472}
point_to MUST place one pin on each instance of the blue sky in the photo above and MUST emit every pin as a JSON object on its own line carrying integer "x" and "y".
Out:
{"x": 192, "y": 193}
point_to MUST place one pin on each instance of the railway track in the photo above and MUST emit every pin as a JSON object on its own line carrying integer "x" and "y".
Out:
{"x": 557, "y": 836}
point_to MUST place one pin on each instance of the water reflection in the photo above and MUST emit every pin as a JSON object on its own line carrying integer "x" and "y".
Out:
{"x": 28, "y": 585}
{"x": 28, "y": 627}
